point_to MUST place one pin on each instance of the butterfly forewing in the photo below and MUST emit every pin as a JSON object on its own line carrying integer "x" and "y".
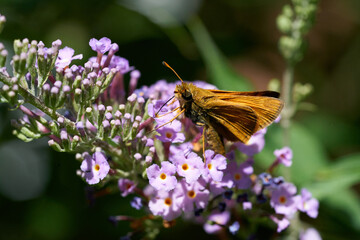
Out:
{"x": 238, "y": 115}
{"x": 267, "y": 109}
{"x": 235, "y": 93}
{"x": 234, "y": 122}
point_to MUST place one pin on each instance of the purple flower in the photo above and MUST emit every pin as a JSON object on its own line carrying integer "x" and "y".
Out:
{"x": 216, "y": 221}
{"x": 136, "y": 203}
{"x": 282, "y": 199}
{"x": 188, "y": 166}
{"x": 134, "y": 77}
{"x": 204, "y": 85}
{"x": 95, "y": 168}
{"x": 281, "y": 223}
{"x": 277, "y": 120}
{"x": 161, "y": 90}
{"x": 149, "y": 142}
{"x": 171, "y": 132}
{"x": 149, "y": 191}
{"x": 191, "y": 195}
{"x": 162, "y": 178}
{"x": 255, "y": 144}
{"x": 265, "y": 178}
{"x": 119, "y": 63}
{"x": 239, "y": 176}
{"x": 165, "y": 115}
{"x": 234, "y": 228}
{"x": 310, "y": 234}
{"x": 103, "y": 45}
{"x": 284, "y": 156}
{"x": 276, "y": 182}
{"x": 214, "y": 165}
{"x": 306, "y": 203}
{"x": 247, "y": 205}
{"x": 126, "y": 186}
{"x": 179, "y": 150}
{"x": 165, "y": 205}
{"x": 66, "y": 55}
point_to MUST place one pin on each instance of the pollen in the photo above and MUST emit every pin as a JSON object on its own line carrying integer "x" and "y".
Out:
{"x": 168, "y": 135}
{"x": 97, "y": 167}
{"x": 282, "y": 199}
{"x": 191, "y": 194}
{"x": 209, "y": 166}
{"x": 163, "y": 176}
{"x": 168, "y": 201}
{"x": 237, "y": 176}
{"x": 185, "y": 167}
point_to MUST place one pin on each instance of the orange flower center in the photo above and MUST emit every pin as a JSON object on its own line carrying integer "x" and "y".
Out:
{"x": 163, "y": 176}
{"x": 168, "y": 134}
{"x": 237, "y": 176}
{"x": 282, "y": 199}
{"x": 191, "y": 194}
{"x": 185, "y": 166}
{"x": 97, "y": 167}
{"x": 168, "y": 201}
{"x": 209, "y": 166}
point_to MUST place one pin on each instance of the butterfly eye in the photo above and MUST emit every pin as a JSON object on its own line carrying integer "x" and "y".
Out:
{"x": 187, "y": 95}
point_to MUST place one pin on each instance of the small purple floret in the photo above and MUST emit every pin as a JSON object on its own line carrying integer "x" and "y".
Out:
{"x": 95, "y": 167}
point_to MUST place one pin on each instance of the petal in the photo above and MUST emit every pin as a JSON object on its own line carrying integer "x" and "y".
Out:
{"x": 153, "y": 171}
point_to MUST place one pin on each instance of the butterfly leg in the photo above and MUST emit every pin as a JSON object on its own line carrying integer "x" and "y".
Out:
{"x": 159, "y": 116}
{"x": 171, "y": 119}
{"x": 203, "y": 139}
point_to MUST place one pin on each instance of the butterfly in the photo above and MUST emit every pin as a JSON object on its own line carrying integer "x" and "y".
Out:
{"x": 232, "y": 115}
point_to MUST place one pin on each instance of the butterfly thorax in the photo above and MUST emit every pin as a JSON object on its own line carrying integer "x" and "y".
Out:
{"x": 188, "y": 94}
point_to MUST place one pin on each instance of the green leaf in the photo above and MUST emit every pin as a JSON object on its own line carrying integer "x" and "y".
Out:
{"x": 343, "y": 134}
{"x": 342, "y": 174}
{"x": 349, "y": 203}
{"x": 219, "y": 71}
{"x": 348, "y": 165}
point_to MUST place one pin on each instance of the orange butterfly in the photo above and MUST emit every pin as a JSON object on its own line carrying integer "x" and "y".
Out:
{"x": 227, "y": 114}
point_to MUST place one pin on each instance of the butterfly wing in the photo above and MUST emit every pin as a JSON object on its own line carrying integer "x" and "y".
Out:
{"x": 267, "y": 109}
{"x": 219, "y": 93}
{"x": 235, "y": 123}
{"x": 238, "y": 115}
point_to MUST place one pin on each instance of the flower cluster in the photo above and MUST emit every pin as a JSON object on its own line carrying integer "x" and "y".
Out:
{"x": 207, "y": 190}
{"x": 136, "y": 140}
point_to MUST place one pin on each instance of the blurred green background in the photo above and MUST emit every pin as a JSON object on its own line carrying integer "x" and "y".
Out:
{"x": 231, "y": 43}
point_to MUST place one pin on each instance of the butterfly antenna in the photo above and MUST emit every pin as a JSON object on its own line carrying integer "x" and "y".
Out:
{"x": 168, "y": 66}
{"x": 164, "y": 105}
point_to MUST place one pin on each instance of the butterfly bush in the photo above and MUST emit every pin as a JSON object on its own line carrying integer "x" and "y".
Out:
{"x": 132, "y": 139}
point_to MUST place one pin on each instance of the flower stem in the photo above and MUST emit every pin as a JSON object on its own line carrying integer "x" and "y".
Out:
{"x": 288, "y": 111}
{"x": 288, "y": 108}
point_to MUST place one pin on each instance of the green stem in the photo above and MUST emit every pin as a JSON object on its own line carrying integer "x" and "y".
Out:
{"x": 288, "y": 108}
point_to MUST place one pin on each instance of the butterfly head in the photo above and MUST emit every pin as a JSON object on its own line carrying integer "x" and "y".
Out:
{"x": 183, "y": 92}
